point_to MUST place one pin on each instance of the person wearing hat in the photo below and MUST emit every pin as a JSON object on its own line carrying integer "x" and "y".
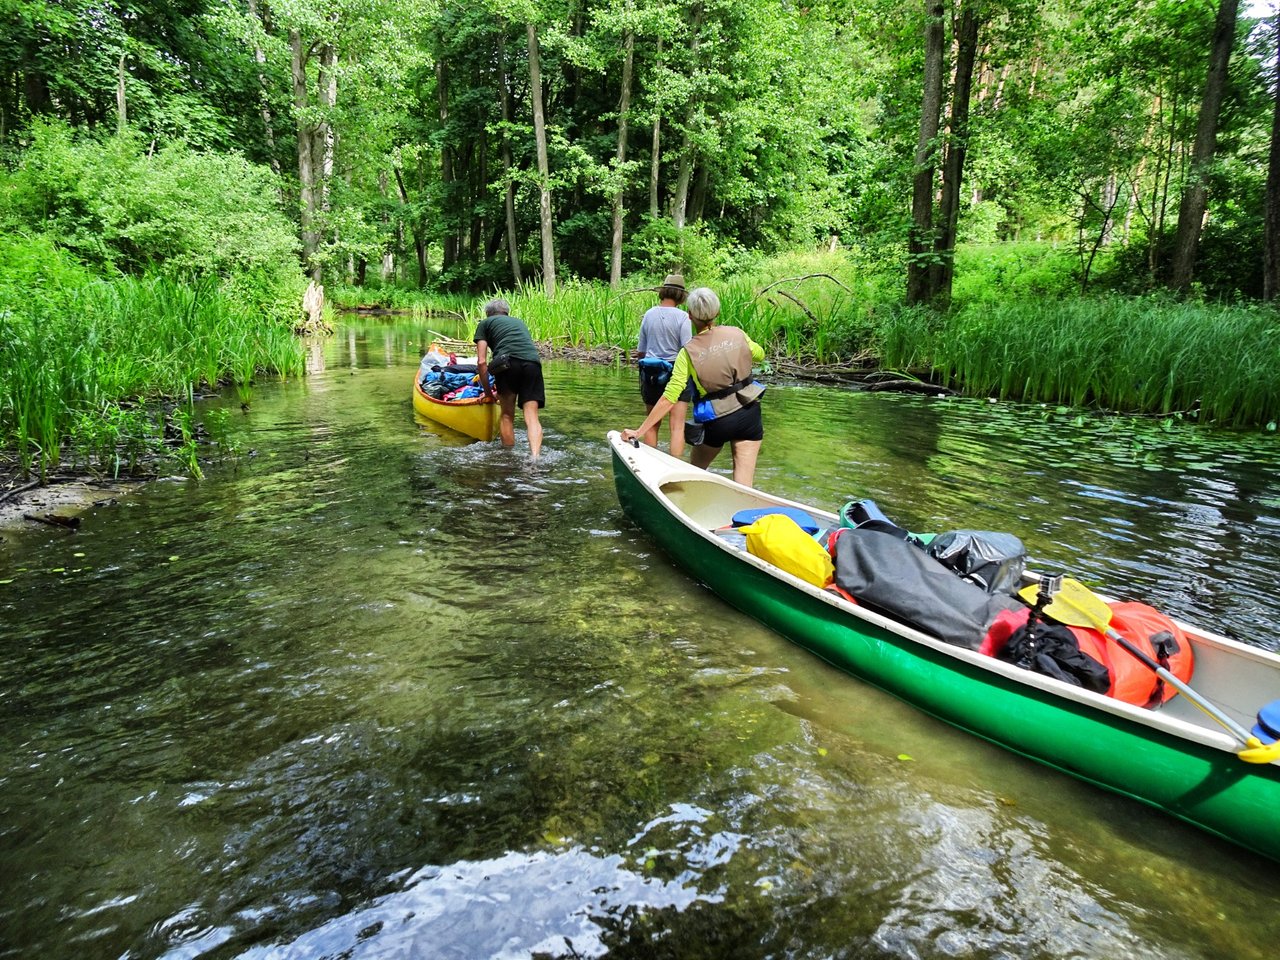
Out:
{"x": 717, "y": 362}
{"x": 663, "y": 331}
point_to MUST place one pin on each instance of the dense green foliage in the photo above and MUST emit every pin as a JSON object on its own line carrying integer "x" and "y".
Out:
{"x": 382, "y": 145}
{"x": 155, "y": 272}
{"x": 119, "y": 207}
{"x": 753, "y": 125}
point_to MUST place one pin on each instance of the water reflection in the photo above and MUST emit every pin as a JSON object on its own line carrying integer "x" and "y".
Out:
{"x": 248, "y": 716}
{"x": 516, "y": 905}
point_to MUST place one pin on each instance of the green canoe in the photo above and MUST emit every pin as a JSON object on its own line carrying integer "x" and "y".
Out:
{"x": 1174, "y": 758}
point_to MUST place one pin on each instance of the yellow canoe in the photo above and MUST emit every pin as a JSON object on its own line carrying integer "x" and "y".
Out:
{"x": 476, "y": 418}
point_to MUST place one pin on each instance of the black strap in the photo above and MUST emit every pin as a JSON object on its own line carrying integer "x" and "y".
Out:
{"x": 1164, "y": 646}
{"x": 727, "y": 391}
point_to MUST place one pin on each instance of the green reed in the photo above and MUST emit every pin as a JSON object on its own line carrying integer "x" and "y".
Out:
{"x": 1137, "y": 355}
{"x": 74, "y": 360}
{"x": 1016, "y": 330}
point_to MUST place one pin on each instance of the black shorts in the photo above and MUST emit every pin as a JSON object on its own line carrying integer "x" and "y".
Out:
{"x": 653, "y": 383}
{"x": 744, "y": 424}
{"x": 524, "y": 379}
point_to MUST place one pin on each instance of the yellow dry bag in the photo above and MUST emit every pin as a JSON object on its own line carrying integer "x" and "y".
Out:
{"x": 777, "y": 539}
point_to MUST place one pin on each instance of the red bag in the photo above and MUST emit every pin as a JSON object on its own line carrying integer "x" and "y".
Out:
{"x": 1131, "y": 680}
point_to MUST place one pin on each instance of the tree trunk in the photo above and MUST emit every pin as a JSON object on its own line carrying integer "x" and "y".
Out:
{"x": 306, "y": 160}
{"x": 1195, "y": 194}
{"x": 1271, "y": 262}
{"x": 680, "y": 204}
{"x": 544, "y": 166}
{"x": 449, "y": 241}
{"x": 655, "y": 207}
{"x": 1110, "y": 197}
{"x": 419, "y": 244}
{"x": 260, "y": 58}
{"x": 920, "y": 239}
{"x": 681, "y": 200}
{"x": 615, "y": 261}
{"x": 327, "y": 84}
{"x": 698, "y": 198}
{"x": 509, "y": 201}
{"x": 479, "y": 186}
{"x": 942, "y": 271}
{"x": 388, "y": 254}
{"x": 122, "y": 109}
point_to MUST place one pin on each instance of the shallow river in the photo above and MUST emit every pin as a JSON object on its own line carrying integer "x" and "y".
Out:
{"x": 374, "y": 691}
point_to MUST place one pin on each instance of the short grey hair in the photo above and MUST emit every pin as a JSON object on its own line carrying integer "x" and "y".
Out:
{"x": 703, "y": 304}
{"x": 497, "y": 306}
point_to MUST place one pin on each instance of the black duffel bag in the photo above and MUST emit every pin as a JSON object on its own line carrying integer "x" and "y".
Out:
{"x": 992, "y": 561}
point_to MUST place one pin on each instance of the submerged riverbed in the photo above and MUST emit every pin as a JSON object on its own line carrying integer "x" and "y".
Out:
{"x": 376, "y": 691}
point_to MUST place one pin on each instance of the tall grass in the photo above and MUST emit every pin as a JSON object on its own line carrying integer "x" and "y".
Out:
{"x": 74, "y": 360}
{"x": 816, "y": 307}
{"x": 1135, "y": 355}
{"x": 1018, "y": 329}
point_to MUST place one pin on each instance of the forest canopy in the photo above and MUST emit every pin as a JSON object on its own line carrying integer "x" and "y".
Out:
{"x": 467, "y": 145}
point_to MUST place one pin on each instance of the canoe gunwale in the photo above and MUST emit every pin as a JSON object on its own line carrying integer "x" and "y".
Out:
{"x": 1186, "y": 769}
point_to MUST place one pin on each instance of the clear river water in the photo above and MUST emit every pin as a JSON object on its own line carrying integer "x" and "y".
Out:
{"x": 372, "y": 690}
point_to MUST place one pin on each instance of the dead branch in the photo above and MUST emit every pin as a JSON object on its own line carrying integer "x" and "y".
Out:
{"x": 909, "y": 386}
{"x": 627, "y": 293}
{"x": 807, "y": 276}
{"x": 17, "y": 490}
{"x": 796, "y": 300}
{"x": 53, "y": 520}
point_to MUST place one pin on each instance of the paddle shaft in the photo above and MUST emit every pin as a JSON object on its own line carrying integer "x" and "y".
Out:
{"x": 1187, "y": 691}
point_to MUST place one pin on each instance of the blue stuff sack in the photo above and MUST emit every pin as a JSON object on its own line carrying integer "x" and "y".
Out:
{"x": 703, "y": 411}
{"x": 655, "y": 372}
{"x": 803, "y": 519}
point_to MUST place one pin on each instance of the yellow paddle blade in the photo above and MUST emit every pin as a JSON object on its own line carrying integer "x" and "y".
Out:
{"x": 1074, "y": 604}
{"x": 1255, "y": 751}
{"x": 1078, "y": 606}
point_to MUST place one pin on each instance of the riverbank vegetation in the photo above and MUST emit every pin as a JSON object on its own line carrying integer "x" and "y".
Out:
{"x": 129, "y": 279}
{"x": 1064, "y": 201}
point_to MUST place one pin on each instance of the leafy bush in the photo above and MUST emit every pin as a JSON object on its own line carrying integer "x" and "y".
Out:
{"x": 659, "y": 246}
{"x": 119, "y": 207}
{"x": 988, "y": 273}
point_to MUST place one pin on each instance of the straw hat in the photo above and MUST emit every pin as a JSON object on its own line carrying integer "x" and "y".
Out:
{"x": 674, "y": 280}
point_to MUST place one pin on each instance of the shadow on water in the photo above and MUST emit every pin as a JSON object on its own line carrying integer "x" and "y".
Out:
{"x": 377, "y": 691}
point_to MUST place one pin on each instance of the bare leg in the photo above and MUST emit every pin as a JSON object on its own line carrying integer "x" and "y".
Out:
{"x": 702, "y": 455}
{"x": 534, "y": 428}
{"x": 507, "y": 423}
{"x": 651, "y": 438}
{"x": 745, "y": 454}
{"x": 677, "y": 428}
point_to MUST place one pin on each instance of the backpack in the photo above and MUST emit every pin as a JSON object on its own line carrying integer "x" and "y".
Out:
{"x": 994, "y": 561}
{"x": 899, "y": 579}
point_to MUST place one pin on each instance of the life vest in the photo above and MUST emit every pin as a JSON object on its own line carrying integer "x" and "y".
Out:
{"x": 1131, "y": 680}
{"x": 721, "y": 357}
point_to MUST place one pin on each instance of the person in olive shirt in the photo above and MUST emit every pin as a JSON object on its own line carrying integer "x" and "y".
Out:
{"x": 519, "y": 374}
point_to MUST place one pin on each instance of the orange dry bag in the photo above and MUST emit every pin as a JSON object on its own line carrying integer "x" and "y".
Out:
{"x": 1132, "y": 680}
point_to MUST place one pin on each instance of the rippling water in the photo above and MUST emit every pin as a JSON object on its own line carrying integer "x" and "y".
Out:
{"x": 376, "y": 691}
